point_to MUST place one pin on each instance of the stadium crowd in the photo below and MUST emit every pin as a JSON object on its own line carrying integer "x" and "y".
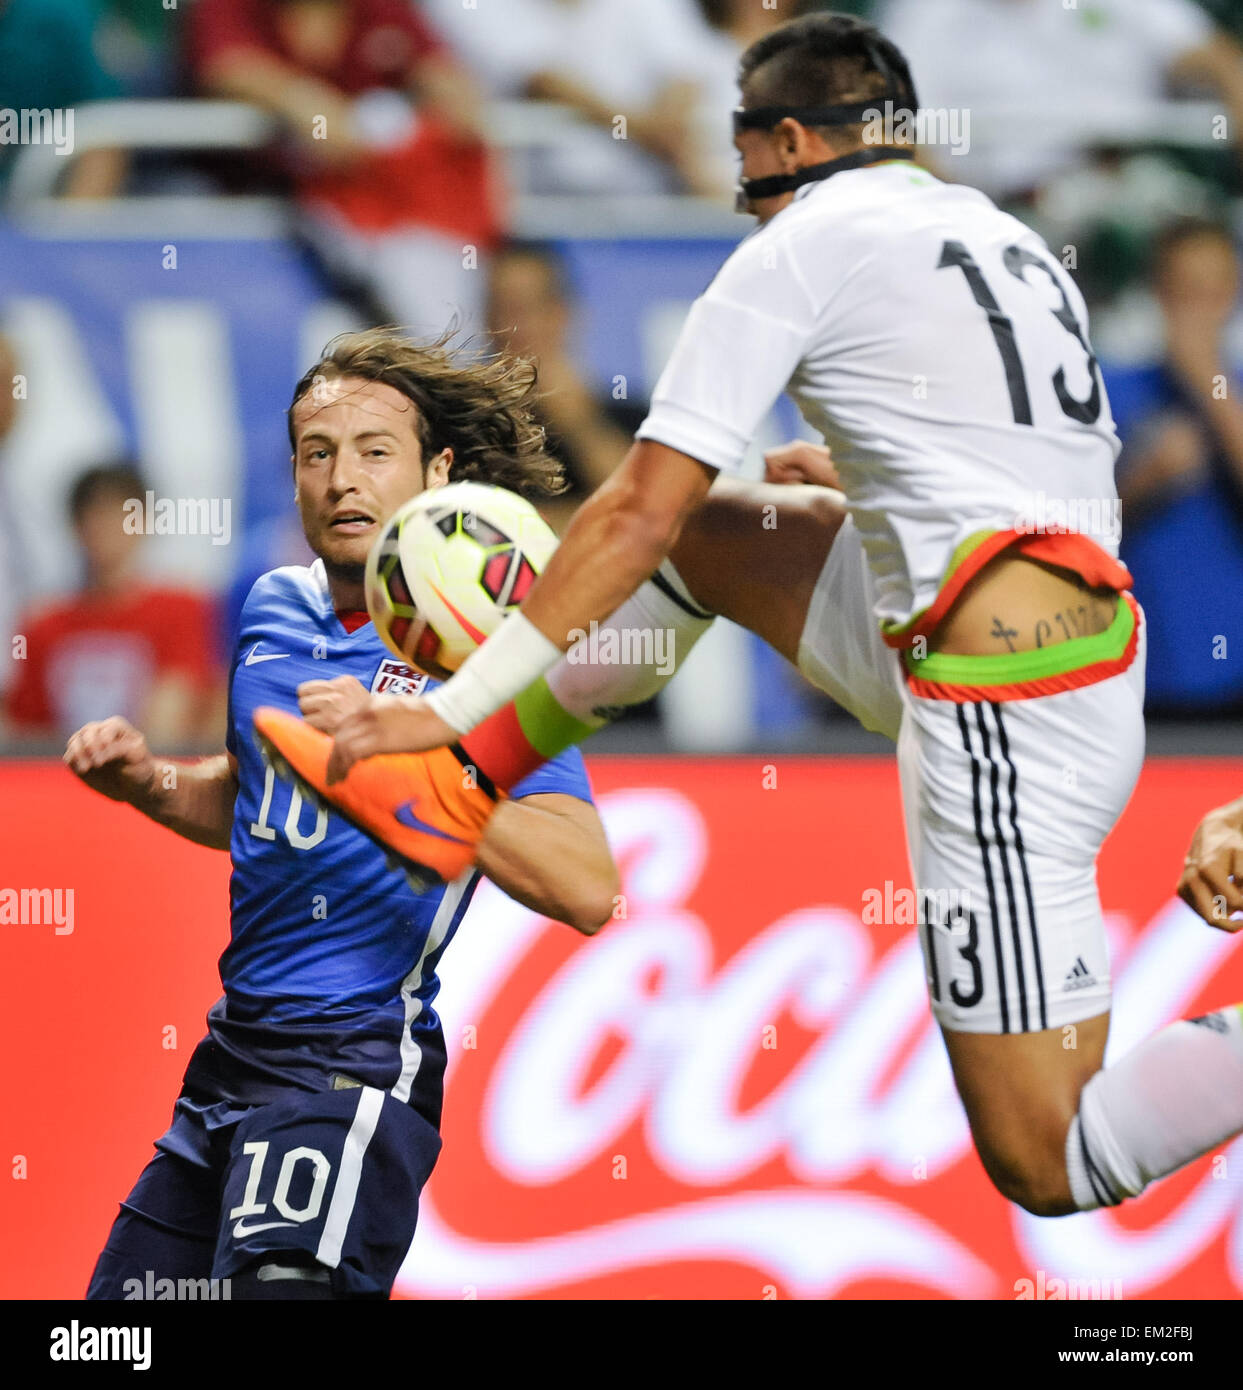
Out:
{"x": 387, "y": 148}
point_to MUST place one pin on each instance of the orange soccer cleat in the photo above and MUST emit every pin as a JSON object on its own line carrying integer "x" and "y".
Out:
{"x": 422, "y": 809}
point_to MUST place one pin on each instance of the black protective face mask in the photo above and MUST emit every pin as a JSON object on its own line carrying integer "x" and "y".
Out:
{"x": 776, "y": 184}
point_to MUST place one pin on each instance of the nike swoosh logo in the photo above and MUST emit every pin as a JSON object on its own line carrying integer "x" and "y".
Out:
{"x": 253, "y": 660}
{"x": 471, "y": 630}
{"x": 241, "y": 1229}
{"x": 406, "y": 816}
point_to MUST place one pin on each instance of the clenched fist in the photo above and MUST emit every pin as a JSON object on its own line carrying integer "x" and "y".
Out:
{"x": 1212, "y": 877}
{"x": 325, "y": 704}
{"x": 801, "y": 462}
{"x": 112, "y": 757}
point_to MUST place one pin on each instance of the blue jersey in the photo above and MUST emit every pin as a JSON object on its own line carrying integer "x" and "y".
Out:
{"x": 330, "y": 972}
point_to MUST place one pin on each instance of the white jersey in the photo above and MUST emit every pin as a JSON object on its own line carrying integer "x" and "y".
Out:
{"x": 941, "y": 350}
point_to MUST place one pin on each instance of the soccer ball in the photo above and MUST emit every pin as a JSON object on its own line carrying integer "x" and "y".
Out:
{"x": 448, "y": 567}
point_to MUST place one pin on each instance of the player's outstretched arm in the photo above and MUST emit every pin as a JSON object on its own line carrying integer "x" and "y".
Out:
{"x": 549, "y": 852}
{"x": 1212, "y": 878}
{"x": 195, "y": 800}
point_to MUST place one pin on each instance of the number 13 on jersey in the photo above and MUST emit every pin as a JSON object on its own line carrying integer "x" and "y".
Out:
{"x": 1018, "y": 260}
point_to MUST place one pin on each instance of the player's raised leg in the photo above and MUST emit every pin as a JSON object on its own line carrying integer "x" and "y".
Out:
{"x": 761, "y": 555}
{"x": 753, "y": 551}
{"x": 786, "y": 562}
{"x": 1008, "y": 802}
{"x": 1058, "y": 1133}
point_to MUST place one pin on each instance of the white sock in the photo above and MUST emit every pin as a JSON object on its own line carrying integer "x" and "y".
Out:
{"x": 1169, "y": 1100}
{"x": 633, "y": 654}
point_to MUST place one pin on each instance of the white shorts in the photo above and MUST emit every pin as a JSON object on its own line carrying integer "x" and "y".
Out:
{"x": 841, "y": 651}
{"x": 1007, "y": 802}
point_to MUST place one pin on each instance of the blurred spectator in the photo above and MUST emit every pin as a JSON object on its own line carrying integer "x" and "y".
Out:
{"x": 138, "y": 43}
{"x": 48, "y": 63}
{"x": 530, "y": 314}
{"x": 1180, "y": 478}
{"x": 386, "y": 143}
{"x": 604, "y": 59}
{"x": 730, "y": 27}
{"x": 1109, "y": 55}
{"x": 119, "y": 645}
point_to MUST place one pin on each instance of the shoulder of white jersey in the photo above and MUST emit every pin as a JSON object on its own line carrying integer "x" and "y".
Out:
{"x": 746, "y": 275}
{"x": 851, "y": 205}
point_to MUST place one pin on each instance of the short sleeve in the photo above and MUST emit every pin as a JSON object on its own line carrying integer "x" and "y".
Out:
{"x": 254, "y": 595}
{"x": 738, "y": 349}
{"x": 565, "y": 775}
{"x": 230, "y": 732}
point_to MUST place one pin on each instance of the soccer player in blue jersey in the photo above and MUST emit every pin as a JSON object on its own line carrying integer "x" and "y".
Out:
{"x": 308, "y": 1119}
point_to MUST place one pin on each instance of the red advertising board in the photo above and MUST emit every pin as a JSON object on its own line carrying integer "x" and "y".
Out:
{"x": 734, "y": 1091}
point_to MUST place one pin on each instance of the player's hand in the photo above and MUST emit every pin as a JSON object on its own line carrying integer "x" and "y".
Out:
{"x": 324, "y": 704}
{"x": 405, "y": 725}
{"x": 112, "y": 757}
{"x": 1212, "y": 878}
{"x": 801, "y": 462}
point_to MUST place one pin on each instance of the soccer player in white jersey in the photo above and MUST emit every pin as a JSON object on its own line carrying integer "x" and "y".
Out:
{"x": 943, "y": 353}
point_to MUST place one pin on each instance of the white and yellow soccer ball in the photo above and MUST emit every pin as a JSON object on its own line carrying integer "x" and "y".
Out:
{"x": 448, "y": 567}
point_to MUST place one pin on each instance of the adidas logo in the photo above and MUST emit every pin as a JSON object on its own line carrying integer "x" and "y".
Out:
{"x": 1079, "y": 976}
{"x": 1217, "y": 1022}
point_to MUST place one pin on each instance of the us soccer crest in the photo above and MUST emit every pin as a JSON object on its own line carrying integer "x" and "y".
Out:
{"x": 395, "y": 679}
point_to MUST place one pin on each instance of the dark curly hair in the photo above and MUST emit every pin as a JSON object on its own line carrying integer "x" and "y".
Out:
{"x": 481, "y": 408}
{"x": 824, "y": 59}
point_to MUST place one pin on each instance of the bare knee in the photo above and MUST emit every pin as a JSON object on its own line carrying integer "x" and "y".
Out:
{"x": 826, "y": 507}
{"x": 1037, "y": 1182}
{"x": 1021, "y": 1092}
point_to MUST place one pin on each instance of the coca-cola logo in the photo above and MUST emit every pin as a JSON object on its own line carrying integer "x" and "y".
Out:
{"x": 759, "y": 1101}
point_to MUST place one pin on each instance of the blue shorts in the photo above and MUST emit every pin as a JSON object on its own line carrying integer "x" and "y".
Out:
{"x": 332, "y": 1175}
